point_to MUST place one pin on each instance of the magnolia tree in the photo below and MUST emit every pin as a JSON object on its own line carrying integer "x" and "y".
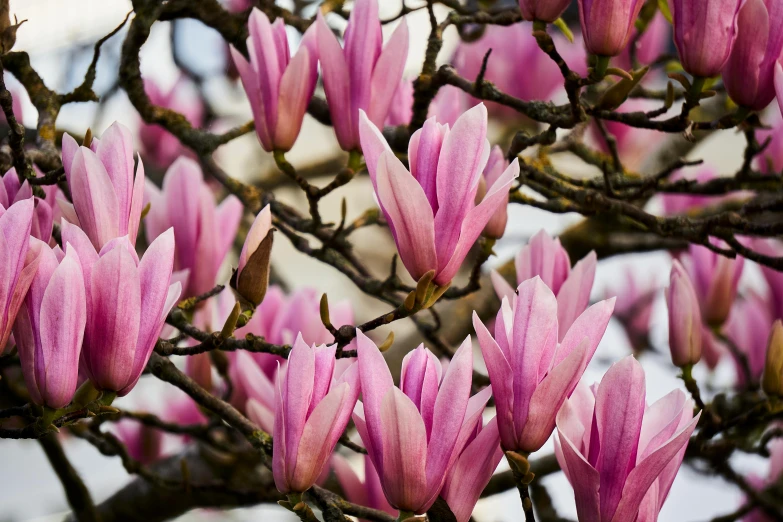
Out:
{"x": 111, "y": 279}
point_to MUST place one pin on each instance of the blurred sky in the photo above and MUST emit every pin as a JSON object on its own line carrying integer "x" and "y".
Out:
{"x": 59, "y": 36}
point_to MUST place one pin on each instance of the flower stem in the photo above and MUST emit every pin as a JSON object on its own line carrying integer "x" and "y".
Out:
{"x": 520, "y": 468}
{"x": 691, "y": 385}
{"x": 405, "y": 515}
{"x": 601, "y": 65}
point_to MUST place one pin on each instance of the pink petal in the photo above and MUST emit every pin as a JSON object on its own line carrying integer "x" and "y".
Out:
{"x": 376, "y": 381}
{"x": 228, "y": 215}
{"x": 115, "y": 152}
{"x": 260, "y": 228}
{"x": 298, "y": 392}
{"x": 94, "y": 198}
{"x": 501, "y": 286}
{"x": 404, "y": 443}
{"x": 362, "y": 47}
{"x": 69, "y": 148}
{"x": 406, "y": 204}
{"x": 583, "y": 477}
{"x": 462, "y": 158}
{"x": 574, "y": 295}
{"x": 182, "y": 189}
{"x": 373, "y": 145}
{"x": 423, "y": 154}
{"x": 263, "y": 50}
{"x": 387, "y": 74}
{"x": 337, "y": 84}
{"x": 591, "y": 324}
{"x": 137, "y": 203}
{"x": 296, "y": 89}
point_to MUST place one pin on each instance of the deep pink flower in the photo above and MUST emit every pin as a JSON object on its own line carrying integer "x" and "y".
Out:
{"x": 107, "y": 198}
{"x": 368, "y": 492}
{"x": 127, "y": 302}
{"x": 50, "y": 327}
{"x": 634, "y": 304}
{"x": 279, "y": 87}
{"x": 431, "y": 210}
{"x": 771, "y": 159}
{"x": 774, "y": 278}
{"x": 531, "y": 373}
{"x": 415, "y": 433}
{"x": 144, "y": 443}
{"x": 650, "y": 46}
{"x": 311, "y": 413}
{"x": 11, "y": 191}
{"x": 363, "y": 75}
{"x": 748, "y": 328}
{"x": 715, "y": 278}
{"x": 607, "y": 25}
{"x": 704, "y": 33}
{"x": 545, "y": 257}
{"x": 496, "y": 166}
{"x": 542, "y": 10}
{"x": 749, "y": 73}
{"x": 203, "y": 231}
{"x": 620, "y": 455}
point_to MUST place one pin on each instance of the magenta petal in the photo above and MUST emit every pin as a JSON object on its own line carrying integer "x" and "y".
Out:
{"x": 296, "y": 89}
{"x": 137, "y": 203}
{"x": 501, "y": 286}
{"x": 406, "y": 204}
{"x": 263, "y": 51}
{"x": 404, "y": 443}
{"x": 182, "y": 190}
{"x": 423, "y": 153}
{"x": 113, "y": 326}
{"x": 373, "y": 145}
{"x": 449, "y": 414}
{"x": 463, "y": 157}
{"x": 298, "y": 392}
{"x": 115, "y": 152}
{"x": 279, "y": 450}
{"x": 619, "y": 408}
{"x": 337, "y": 84}
{"x": 574, "y": 295}
{"x": 376, "y": 380}
{"x": 584, "y": 479}
{"x": 69, "y": 148}
{"x": 387, "y": 74}
{"x": 779, "y": 85}
{"x": 591, "y": 324}
{"x": 94, "y": 198}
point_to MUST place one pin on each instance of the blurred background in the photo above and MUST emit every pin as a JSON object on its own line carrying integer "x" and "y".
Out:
{"x": 59, "y": 36}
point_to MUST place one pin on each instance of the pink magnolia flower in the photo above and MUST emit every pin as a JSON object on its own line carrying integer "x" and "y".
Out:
{"x": 511, "y": 45}
{"x": 361, "y": 76}
{"x": 650, "y": 46}
{"x": 607, "y": 25}
{"x": 748, "y": 328}
{"x": 18, "y": 263}
{"x": 749, "y": 73}
{"x": 634, "y": 305}
{"x": 279, "y": 87}
{"x": 704, "y": 33}
{"x": 127, "y": 302}
{"x": 685, "y": 325}
{"x": 415, "y": 433}
{"x": 49, "y": 327}
{"x": 368, "y": 492}
{"x": 546, "y": 258}
{"x": 160, "y": 146}
{"x": 531, "y": 373}
{"x": 401, "y": 107}
{"x": 496, "y": 166}
{"x": 619, "y": 454}
{"x": 259, "y": 389}
{"x": 472, "y": 471}
{"x": 446, "y": 107}
{"x": 311, "y": 413}
{"x": 107, "y": 199}
{"x": 542, "y": 10}
{"x": 431, "y": 210}
{"x": 712, "y": 351}
{"x": 715, "y": 278}
{"x": 11, "y": 191}
{"x": 203, "y": 232}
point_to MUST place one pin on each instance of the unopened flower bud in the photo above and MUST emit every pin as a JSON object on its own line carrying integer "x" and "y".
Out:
{"x": 684, "y": 318}
{"x": 251, "y": 277}
{"x": 772, "y": 382}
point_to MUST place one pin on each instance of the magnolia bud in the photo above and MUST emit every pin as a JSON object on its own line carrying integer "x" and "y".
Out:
{"x": 684, "y": 318}
{"x": 772, "y": 382}
{"x": 251, "y": 278}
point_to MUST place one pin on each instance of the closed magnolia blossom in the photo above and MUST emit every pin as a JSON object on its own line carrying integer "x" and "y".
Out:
{"x": 107, "y": 198}
{"x": 496, "y": 166}
{"x": 685, "y": 327}
{"x": 704, "y": 33}
{"x": 279, "y": 87}
{"x": 619, "y": 454}
{"x": 415, "y": 433}
{"x": 127, "y": 302}
{"x": 364, "y": 74}
{"x": 251, "y": 278}
{"x": 160, "y": 146}
{"x": 542, "y": 10}
{"x": 18, "y": 263}
{"x": 472, "y": 471}
{"x": 715, "y": 278}
{"x": 634, "y": 305}
{"x": 511, "y": 45}
{"x": 530, "y": 371}
{"x": 431, "y": 210}
{"x": 311, "y": 412}
{"x": 749, "y": 75}
{"x": 204, "y": 232}
{"x": 748, "y": 327}
{"x": 367, "y": 492}
{"x": 607, "y": 25}
{"x": 11, "y": 191}
{"x": 545, "y": 257}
